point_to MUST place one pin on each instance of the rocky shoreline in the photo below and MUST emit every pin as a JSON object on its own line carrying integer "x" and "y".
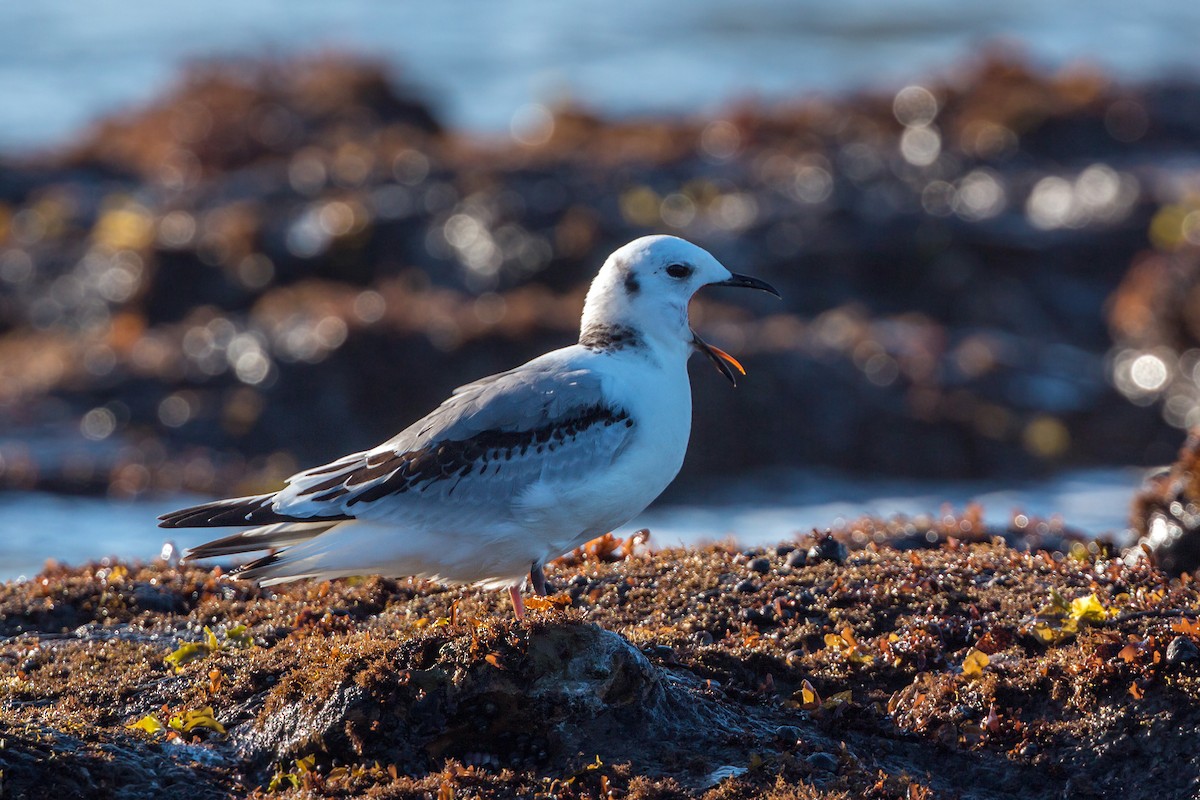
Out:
{"x": 276, "y": 261}
{"x": 940, "y": 666}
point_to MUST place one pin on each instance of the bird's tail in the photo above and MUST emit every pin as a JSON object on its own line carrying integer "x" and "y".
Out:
{"x": 264, "y": 537}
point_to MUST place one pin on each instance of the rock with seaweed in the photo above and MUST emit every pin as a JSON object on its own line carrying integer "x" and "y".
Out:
{"x": 962, "y": 668}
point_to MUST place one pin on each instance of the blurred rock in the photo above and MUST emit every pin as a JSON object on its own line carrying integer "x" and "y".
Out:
{"x": 278, "y": 261}
{"x": 226, "y": 115}
{"x": 1166, "y": 514}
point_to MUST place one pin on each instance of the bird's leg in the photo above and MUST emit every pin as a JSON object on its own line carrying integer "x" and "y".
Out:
{"x": 514, "y": 592}
{"x": 538, "y": 578}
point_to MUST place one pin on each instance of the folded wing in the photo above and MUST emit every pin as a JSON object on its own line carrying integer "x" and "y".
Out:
{"x": 489, "y": 442}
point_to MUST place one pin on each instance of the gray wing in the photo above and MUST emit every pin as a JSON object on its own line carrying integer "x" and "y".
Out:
{"x": 486, "y": 444}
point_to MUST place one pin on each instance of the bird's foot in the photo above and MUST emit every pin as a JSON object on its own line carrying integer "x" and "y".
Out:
{"x": 518, "y": 602}
{"x": 538, "y": 578}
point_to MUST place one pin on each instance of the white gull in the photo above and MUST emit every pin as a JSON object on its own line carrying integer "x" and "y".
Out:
{"x": 514, "y": 469}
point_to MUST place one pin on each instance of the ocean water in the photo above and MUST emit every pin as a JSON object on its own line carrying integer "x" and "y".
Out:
{"x": 63, "y": 63}
{"x": 760, "y": 510}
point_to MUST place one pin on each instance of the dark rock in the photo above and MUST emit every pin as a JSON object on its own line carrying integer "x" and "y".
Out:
{"x": 746, "y": 586}
{"x": 157, "y": 598}
{"x": 661, "y": 652}
{"x": 42, "y": 762}
{"x": 827, "y": 548}
{"x": 760, "y": 565}
{"x": 574, "y": 687}
{"x": 787, "y": 733}
{"x": 758, "y": 617}
{"x": 784, "y": 549}
{"x": 796, "y": 558}
{"x": 1181, "y": 650}
{"x": 823, "y": 762}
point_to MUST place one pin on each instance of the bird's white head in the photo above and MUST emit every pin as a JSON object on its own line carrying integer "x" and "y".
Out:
{"x": 641, "y": 295}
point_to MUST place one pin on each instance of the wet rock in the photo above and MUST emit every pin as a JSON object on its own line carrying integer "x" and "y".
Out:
{"x": 823, "y": 762}
{"x": 760, "y": 565}
{"x": 746, "y": 586}
{"x": 1182, "y": 650}
{"x": 661, "y": 652}
{"x": 758, "y": 617}
{"x": 827, "y": 548}
{"x": 435, "y": 680}
{"x": 787, "y": 733}
{"x": 568, "y": 687}
{"x": 157, "y": 598}
{"x": 797, "y": 558}
{"x": 85, "y": 767}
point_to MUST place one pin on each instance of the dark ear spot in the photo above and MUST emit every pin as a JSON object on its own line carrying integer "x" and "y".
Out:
{"x": 632, "y": 286}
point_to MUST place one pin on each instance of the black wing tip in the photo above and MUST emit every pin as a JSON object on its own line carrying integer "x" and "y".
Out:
{"x": 218, "y": 514}
{"x": 256, "y": 569}
{"x": 239, "y": 512}
{"x": 225, "y": 546}
{"x": 192, "y": 516}
{"x": 175, "y": 519}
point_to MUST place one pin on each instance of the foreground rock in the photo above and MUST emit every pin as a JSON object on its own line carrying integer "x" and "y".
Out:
{"x": 960, "y": 669}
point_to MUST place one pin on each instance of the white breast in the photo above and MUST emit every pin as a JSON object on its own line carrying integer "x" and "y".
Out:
{"x": 659, "y": 400}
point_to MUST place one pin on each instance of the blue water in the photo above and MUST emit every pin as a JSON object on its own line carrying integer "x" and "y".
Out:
{"x": 34, "y": 527}
{"x": 64, "y": 62}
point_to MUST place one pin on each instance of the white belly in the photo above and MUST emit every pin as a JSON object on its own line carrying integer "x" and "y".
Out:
{"x": 562, "y": 515}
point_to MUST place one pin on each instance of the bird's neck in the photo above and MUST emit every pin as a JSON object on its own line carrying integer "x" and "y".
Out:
{"x": 612, "y": 336}
{"x": 616, "y": 319}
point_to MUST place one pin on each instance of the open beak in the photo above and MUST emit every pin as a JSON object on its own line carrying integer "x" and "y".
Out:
{"x": 715, "y": 354}
{"x": 719, "y": 357}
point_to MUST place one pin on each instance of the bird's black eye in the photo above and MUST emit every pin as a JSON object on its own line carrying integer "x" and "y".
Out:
{"x": 679, "y": 270}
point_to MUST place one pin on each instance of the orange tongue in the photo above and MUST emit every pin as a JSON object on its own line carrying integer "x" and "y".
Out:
{"x": 736, "y": 364}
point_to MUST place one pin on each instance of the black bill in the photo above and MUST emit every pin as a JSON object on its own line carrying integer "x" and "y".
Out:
{"x": 746, "y": 282}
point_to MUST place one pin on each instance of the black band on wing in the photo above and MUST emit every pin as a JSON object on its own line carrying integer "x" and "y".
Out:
{"x": 417, "y": 469}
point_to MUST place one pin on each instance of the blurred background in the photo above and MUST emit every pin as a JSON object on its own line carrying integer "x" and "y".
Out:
{"x": 241, "y": 238}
